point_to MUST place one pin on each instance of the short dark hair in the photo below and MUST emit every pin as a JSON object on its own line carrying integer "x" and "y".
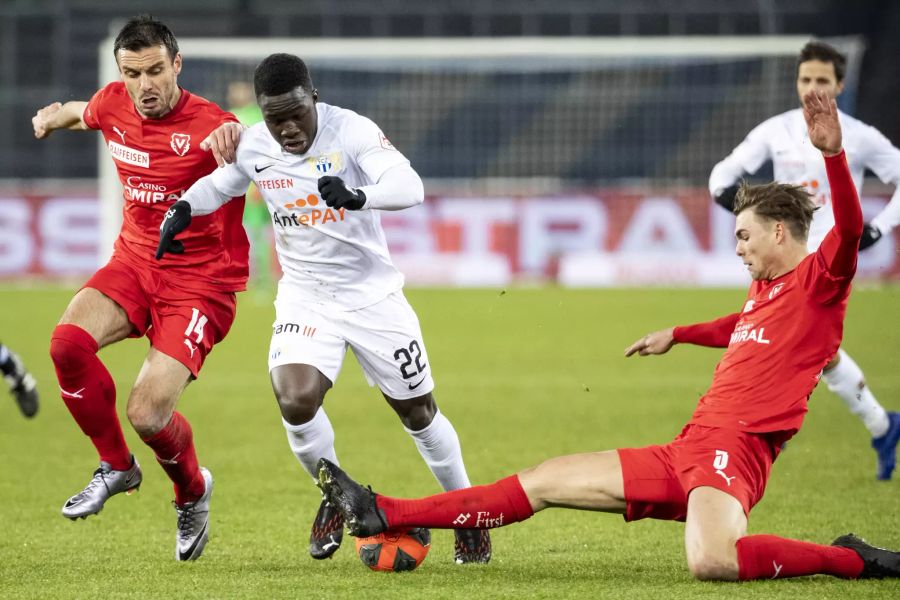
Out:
{"x": 825, "y": 53}
{"x": 279, "y": 74}
{"x": 791, "y": 204}
{"x": 143, "y": 31}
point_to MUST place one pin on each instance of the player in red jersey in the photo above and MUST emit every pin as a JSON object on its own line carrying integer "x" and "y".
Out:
{"x": 716, "y": 470}
{"x": 184, "y": 304}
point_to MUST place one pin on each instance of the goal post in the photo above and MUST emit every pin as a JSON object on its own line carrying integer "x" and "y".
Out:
{"x": 517, "y": 114}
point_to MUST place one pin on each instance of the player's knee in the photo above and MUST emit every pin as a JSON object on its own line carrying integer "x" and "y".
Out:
{"x": 299, "y": 401}
{"x": 536, "y": 486}
{"x": 147, "y": 415}
{"x": 415, "y": 413}
{"x": 70, "y": 345}
{"x": 706, "y": 564}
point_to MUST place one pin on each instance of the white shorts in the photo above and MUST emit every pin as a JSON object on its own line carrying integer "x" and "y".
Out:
{"x": 385, "y": 337}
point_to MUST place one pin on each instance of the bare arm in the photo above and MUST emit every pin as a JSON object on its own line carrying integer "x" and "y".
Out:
{"x": 658, "y": 342}
{"x": 714, "y": 334}
{"x": 59, "y": 116}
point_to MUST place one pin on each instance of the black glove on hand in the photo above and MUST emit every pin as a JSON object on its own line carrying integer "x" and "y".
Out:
{"x": 177, "y": 219}
{"x": 336, "y": 194}
{"x": 725, "y": 198}
{"x": 870, "y": 235}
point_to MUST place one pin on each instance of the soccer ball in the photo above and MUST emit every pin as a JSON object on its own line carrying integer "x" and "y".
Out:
{"x": 394, "y": 551}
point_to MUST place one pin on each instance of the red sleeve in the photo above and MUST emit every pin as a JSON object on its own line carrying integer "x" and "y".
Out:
{"x": 91, "y": 115}
{"x": 841, "y": 246}
{"x": 715, "y": 334}
{"x": 827, "y": 274}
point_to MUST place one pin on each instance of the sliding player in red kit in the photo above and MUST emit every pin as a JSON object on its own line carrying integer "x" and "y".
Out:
{"x": 184, "y": 304}
{"x": 716, "y": 470}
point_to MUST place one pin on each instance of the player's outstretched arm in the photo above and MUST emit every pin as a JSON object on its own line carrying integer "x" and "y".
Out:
{"x": 59, "y": 116}
{"x": 223, "y": 142}
{"x": 658, "y": 342}
{"x": 840, "y": 246}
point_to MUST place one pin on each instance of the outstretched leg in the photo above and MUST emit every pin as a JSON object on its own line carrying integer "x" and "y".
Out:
{"x": 583, "y": 481}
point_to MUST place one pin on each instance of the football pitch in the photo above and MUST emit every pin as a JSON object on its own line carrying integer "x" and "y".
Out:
{"x": 523, "y": 374}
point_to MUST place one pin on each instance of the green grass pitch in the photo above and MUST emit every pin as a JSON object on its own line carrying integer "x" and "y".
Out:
{"x": 524, "y": 375}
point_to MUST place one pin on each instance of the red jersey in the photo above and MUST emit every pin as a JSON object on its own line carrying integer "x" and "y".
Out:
{"x": 788, "y": 330}
{"x": 157, "y": 160}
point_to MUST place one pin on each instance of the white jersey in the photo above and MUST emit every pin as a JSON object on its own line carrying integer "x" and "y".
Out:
{"x": 331, "y": 257}
{"x": 783, "y": 139}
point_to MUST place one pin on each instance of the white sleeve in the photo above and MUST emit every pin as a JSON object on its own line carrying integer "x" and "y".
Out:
{"x": 216, "y": 189}
{"x": 883, "y": 159}
{"x": 399, "y": 187}
{"x": 370, "y": 149}
{"x": 748, "y": 157}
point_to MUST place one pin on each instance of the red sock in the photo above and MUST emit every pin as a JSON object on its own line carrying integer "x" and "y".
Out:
{"x": 89, "y": 392}
{"x": 174, "y": 449}
{"x": 479, "y": 507}
{"x": 770, "y": 557}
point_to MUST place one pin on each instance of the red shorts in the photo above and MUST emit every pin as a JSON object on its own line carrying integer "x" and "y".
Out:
{"x": 658, "y": 479}
{"x": 179, "y": 323}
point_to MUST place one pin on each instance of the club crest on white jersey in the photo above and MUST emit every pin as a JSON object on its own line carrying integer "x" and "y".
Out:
{"x": 326, "y": 164}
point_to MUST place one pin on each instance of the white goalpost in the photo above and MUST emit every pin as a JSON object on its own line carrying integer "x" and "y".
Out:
{"x": 513, "y": 114}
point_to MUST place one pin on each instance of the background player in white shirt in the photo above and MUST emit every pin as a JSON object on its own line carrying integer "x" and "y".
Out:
{"x": 322, "y": 170}
{"x": 783, "y": 140}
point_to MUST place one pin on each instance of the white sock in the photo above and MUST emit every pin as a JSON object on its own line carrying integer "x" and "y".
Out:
{"x": 847, "y": 381}
{"x": 311, "y": 441}
{"x": 439, "y": 446}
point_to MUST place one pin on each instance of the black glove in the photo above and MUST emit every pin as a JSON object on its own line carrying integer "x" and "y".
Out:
{"x": 725, "y": 198}
{"x": 177, "y": 219}
{"x": 336, "y": 194}
{"x": 870, "y": 235}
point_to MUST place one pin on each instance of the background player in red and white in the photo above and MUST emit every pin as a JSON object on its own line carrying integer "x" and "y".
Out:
{"x": 326, "y": 173}
{"x": 184, "y": 304}
{"x": 716, "y": 470}
{"x": 781, "y": 140}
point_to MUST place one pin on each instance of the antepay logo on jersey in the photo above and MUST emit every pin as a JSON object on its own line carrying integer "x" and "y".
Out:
{"x": 312, "y": 216}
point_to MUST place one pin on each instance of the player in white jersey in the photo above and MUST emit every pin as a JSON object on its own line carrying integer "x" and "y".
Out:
{"x": 782, "y": 139}
{"x": 324, "y": 173}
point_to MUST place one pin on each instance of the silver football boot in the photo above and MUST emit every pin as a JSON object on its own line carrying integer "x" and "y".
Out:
{"x": 105, "y": 483}
{"x": 193, "y": 523}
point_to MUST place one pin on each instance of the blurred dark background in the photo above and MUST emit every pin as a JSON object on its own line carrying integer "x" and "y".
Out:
{"x": 49, "y": 47}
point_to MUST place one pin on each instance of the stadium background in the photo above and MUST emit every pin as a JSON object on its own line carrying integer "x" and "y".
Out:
{"x": 524, "y": 372}
{"x": 586, "y": 172}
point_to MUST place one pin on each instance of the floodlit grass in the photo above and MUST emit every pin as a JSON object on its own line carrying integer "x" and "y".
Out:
{"x": 523, "y": 375}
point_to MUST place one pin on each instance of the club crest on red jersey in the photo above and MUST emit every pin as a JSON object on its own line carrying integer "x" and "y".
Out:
{"x": 775, "y": 290}
{"x": 181, "y": 143}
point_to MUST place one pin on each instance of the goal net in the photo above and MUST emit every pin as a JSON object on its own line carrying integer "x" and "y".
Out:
{"x": 523, "y": 115}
